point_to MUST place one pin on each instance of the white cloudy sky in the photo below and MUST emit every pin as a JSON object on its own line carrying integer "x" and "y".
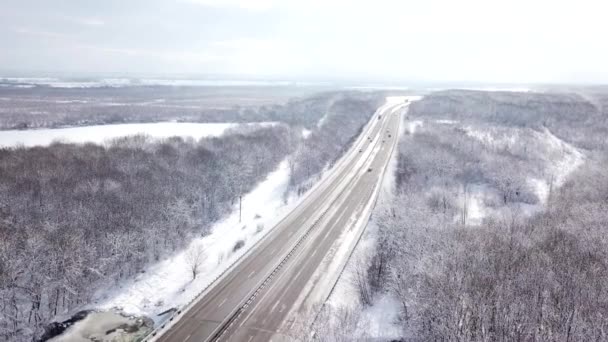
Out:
{"x": 419, "y": 40}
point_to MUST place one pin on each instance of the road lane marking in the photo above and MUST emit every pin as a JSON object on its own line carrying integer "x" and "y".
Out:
{"x": 298, "y": 274}
{"x": 291, "y": 233}
{"x": 274, "y": 306}
{"x": 222, "y": 303}
{"x": 314, "y": 252}
{"x": 250, "y": 274}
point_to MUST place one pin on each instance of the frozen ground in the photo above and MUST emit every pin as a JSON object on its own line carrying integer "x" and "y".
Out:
{"x": 125, "y": 82}
{"x": 95, "y": 327}
{"x": 102, "y": 133}
{"x": 169, "y": 283}
{"x": 378, "y": 320}
{"x": 306, "y": 133}
{"x": 558, "y": 159}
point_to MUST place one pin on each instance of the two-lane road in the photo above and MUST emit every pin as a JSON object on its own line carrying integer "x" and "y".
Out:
{"x": 253, "y": 299}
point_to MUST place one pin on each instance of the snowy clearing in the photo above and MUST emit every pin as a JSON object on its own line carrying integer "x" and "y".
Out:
{"x": 558, "y": 160}
{"x": 95, "y": 327}
{"x": 412, "y": 126}
{"x": 102, "y": 133}
{"x": 306, "y": 133}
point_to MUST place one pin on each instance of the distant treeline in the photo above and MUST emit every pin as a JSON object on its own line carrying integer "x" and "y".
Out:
{"x": 46, "y": 107}
{"x": 569, "y": 116}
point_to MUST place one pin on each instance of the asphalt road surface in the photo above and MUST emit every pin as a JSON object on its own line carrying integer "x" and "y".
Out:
{"x": 251, "y": 301}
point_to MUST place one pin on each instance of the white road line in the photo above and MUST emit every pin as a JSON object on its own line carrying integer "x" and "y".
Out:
{"x": 298, "y": 274}
{"x": 328, "y": 231}
{"x": 222, "y": 303}
{"x": 348, "y": 158}
{"x": 314, "y": 252}
{"x": 274, "y": 306}
{"x": 250, "y": 274}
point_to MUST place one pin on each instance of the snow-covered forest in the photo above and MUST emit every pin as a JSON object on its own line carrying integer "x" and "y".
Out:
{"x": 494, "y": 229}
{"x": 77, "y": 218}
{"x": 332, "y": 136}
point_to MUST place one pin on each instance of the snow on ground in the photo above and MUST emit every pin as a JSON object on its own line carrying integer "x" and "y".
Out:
{"x": 558, "y": 160}
{"x": 377, "y": 320}
{"x": 306, "y": 133}
{"x": 570, "y": 160}
{"x": 125, "y": 82}
{"x": 508, "y": 89}
{"x": 493, "y": 137}
{"x": 169, "y": 283}
{"x": 562, "y": 159}
{"x": 413, "y": 125}
{"x": 446, "y": 122}
{"x": 95, "y": 327}
{"x": 102, "y": 133}
{"x": 319, "y": 286}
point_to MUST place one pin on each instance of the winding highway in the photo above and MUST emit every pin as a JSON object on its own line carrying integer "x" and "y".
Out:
{"x": 274, "y": 280}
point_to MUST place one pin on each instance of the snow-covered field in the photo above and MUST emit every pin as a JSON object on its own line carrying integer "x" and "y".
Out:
{"x": 102, "y": 133}
{"x": 95, "y": 327}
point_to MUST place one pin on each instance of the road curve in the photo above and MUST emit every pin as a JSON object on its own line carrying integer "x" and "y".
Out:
{"x": 252, "y": 300}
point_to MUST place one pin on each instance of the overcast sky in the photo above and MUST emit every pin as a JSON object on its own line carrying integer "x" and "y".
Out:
{"x": 418, "y": 40}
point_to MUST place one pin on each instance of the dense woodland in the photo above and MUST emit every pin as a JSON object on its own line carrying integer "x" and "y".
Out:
{"x": 335, "y": 133}
{"x": 77, "y": 218}
{"x": 519, "y": 274}
{"x": 72, "y": 216}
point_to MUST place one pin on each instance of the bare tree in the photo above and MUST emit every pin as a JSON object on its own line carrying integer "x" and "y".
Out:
{"x": 195, "y": 257}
